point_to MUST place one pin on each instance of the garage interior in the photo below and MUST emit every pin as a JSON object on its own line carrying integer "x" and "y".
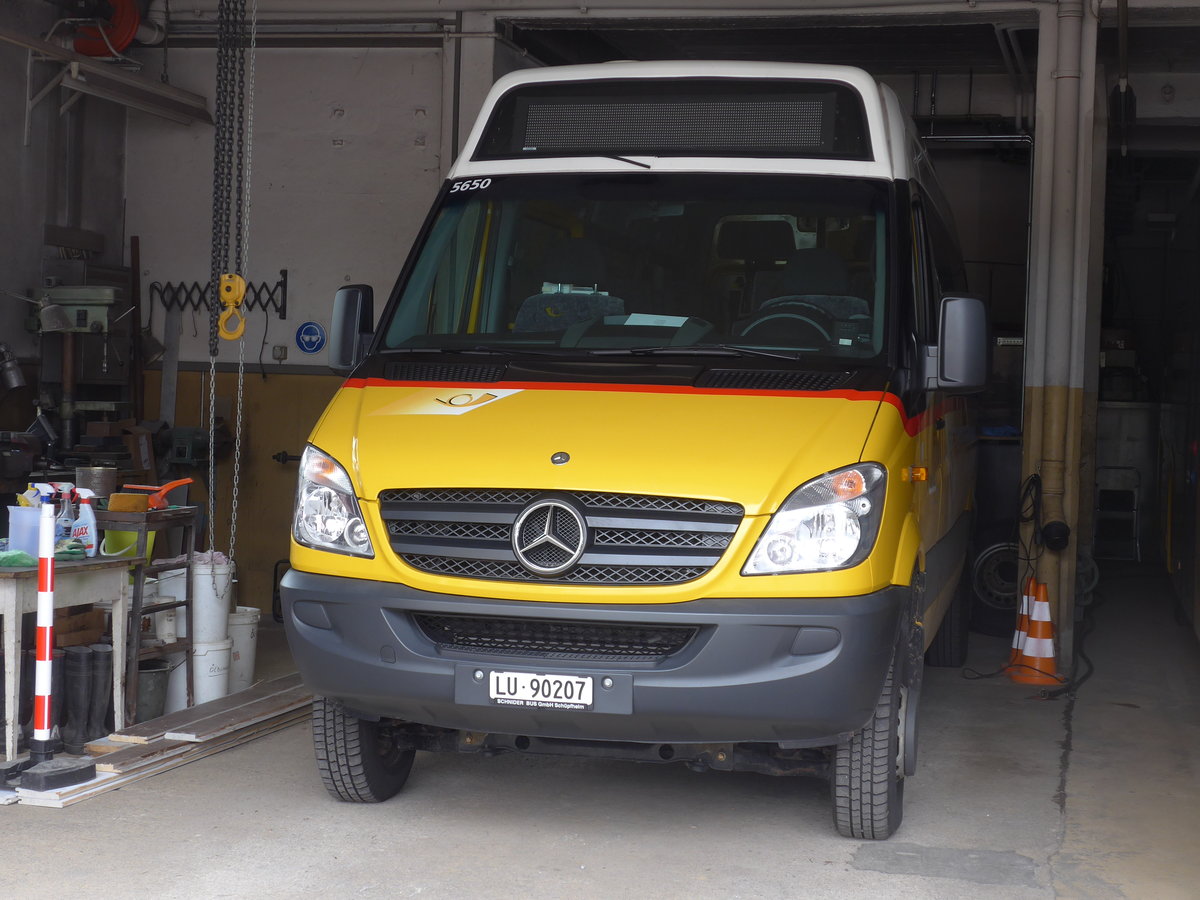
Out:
{"x": 1076, "y": 189}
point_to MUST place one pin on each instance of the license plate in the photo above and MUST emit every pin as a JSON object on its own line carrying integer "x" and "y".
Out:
{"x": 540, "y": 691}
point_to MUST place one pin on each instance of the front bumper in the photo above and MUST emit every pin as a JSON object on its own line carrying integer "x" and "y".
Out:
{"x": 796, "y": 672}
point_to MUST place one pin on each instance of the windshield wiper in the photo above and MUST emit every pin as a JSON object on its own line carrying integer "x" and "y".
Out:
{"x": 626, "y": 159}
{"x": 479, "y": 350}
{"x": 700, "y": 350}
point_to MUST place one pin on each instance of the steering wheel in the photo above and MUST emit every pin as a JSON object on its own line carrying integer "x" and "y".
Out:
{"x": 792, "y": 321}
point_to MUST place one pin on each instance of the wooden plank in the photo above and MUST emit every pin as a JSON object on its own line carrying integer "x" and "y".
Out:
{"x": 101, "y": 746}
{"x": 102, "y": 784}
{"x": 223, "y": 723}
{"x": 43, "y": 798}
{"x": 137, "y": 756}
{"x": 156, "y": 729}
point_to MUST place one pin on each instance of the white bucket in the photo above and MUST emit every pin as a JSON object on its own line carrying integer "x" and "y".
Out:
{"x": 171, "y": 584}
{"x": 164, "y": 622}
{"x": 212, "y": 588}
{"x": 176, "y": 683}
{"x": 210, "y": 670}
{"x": 243, "y": 631}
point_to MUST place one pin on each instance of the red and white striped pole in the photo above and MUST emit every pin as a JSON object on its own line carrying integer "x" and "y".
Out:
{"x": 40, "y": 747}
{"x": 42, "y": 772}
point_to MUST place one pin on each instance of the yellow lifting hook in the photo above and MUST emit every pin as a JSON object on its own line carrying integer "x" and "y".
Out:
{"x": 232, "y": 292}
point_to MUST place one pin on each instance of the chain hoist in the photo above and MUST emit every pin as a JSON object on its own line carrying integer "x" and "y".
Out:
{"x": 232, "y": 142}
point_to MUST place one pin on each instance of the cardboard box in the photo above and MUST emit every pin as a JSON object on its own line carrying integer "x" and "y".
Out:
{"x": 140, "y": 444}
{"x": 137, "y": 440}
{"x": 71, "y": 630}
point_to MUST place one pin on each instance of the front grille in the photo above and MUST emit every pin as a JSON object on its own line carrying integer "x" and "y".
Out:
{"x": 632, "y": 539}
{"x": 513, "y": 571}
{"x": 555, "y": 639}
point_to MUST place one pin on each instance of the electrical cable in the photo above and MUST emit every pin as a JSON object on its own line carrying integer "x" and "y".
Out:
{"x": 262, "y": 370}
{"x": 1030, "y": 512}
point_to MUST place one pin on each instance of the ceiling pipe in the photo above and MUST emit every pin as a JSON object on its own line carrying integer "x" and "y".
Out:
{"x": 1011, "y": 68}
{"x": 1061, "y": 288}
{"x": 355, "y": 10}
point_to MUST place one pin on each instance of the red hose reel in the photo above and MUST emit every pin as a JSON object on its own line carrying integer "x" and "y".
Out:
{"x": 120, "y": 29}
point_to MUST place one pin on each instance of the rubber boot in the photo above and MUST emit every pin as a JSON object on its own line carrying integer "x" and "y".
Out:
{"x": 57, "y": 699}
{"x": 25, "y": 699}
{"x": 102, "y": 671}
{"x": 79, "y": 698}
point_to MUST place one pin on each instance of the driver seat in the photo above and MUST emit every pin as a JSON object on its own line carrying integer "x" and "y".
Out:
{"x": 817, "y": 276}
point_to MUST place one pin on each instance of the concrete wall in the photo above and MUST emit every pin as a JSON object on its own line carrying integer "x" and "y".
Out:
{"x": 346, "y": 159}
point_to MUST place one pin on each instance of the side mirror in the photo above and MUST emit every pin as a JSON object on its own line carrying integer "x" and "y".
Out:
{"x": 353, "y": 321}
{"x": 960, "y": 361}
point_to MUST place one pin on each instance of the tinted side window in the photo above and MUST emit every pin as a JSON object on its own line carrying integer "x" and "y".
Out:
{"x": 948, "y": 269}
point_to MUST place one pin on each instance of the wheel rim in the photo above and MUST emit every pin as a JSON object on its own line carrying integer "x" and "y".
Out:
{"x": 994, "y": 576}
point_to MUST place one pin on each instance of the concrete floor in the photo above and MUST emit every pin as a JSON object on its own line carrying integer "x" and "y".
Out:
{"x": 1015, "y": 797}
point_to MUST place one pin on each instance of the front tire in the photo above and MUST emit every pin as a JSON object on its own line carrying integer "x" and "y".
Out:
{"x": 867, "y": 781}
{"x": 358, "y": 759}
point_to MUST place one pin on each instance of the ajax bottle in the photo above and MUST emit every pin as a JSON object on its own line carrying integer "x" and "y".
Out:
{"x": 84, "y": 529}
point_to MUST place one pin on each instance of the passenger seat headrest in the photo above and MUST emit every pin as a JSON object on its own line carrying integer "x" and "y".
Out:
{"x": 815, "y": 270}
{"x": 755, "y": 240}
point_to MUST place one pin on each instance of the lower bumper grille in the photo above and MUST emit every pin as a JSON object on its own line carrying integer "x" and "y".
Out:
{"x": 555, "y": 639}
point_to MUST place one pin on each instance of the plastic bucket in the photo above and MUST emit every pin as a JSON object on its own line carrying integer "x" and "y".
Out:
{"x": 176, "y": 683}
{"x": 210, "y": 670}
{"x": 124, "y": 543}
{"x": 153, "y": 675}
{"x": 243, "y": 631}
{"x": 171, "y": 584}
{"x": 164, "y": 622}
{"x": 23, "y": 528}
{"x": 212, "y": 588}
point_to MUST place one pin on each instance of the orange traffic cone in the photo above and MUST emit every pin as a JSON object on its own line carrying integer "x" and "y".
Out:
{"x": 1036, "y": 662}
{"x": 1022, "y": 629}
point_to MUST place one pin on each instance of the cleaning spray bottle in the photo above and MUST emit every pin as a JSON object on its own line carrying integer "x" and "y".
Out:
{"x": 66, "y": 517}
{"x": 84, "y": 530}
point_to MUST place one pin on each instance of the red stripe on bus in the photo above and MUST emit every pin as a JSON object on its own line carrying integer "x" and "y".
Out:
{"x": 857, "y": 396}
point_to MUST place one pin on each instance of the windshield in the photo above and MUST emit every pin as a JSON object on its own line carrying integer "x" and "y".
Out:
{"x": 649, "y": 263}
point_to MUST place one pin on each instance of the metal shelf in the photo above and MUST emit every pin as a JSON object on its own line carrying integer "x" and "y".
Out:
{"x": 87, "y": 75}
{"x": 142, "y": 524}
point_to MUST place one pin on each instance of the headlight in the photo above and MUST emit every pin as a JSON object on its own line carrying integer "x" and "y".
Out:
{"x": 327, "y": 516}
{"x": 829, "y": 523}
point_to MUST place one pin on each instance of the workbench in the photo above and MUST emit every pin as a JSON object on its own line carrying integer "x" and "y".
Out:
{"x": 76, "y": 583}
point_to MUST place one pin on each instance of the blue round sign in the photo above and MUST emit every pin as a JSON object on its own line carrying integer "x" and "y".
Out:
{"x": 310, "y": 337}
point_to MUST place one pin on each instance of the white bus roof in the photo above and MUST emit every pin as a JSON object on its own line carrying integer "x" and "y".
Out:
{"x": 890, "y": 135}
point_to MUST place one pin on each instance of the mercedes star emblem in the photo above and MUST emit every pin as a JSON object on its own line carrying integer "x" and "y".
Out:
{"x": 549, "y": 537}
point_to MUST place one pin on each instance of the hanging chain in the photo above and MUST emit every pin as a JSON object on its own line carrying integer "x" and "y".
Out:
{"x": 245, "y": 153}
{"x": 233, "y": 118}
{"x": 219, "y": 261}
{"x": 239, "y": 96}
